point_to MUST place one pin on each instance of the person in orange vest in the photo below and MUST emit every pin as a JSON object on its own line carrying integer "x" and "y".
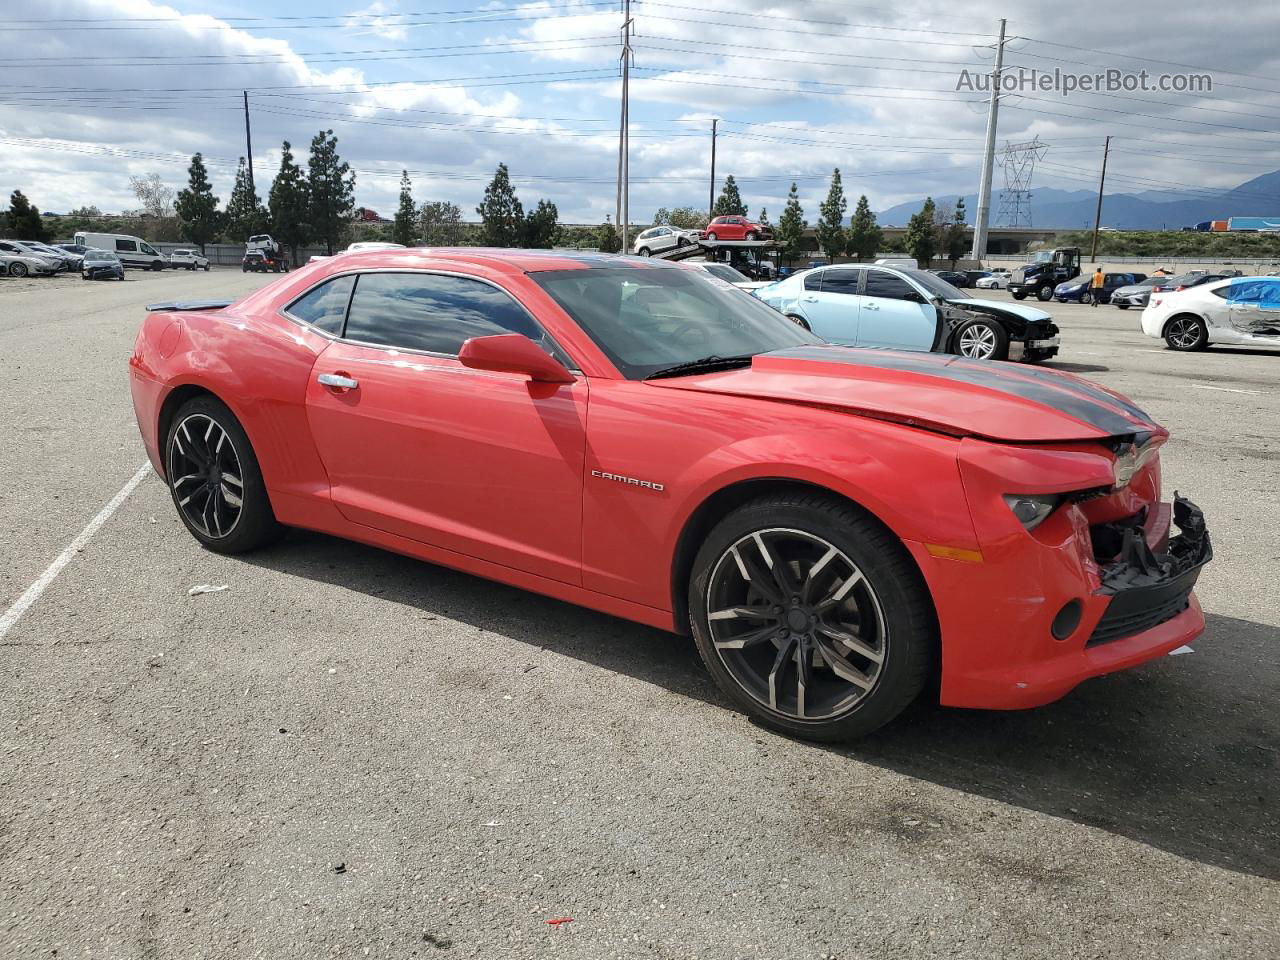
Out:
{"x": 1095, "y": 288}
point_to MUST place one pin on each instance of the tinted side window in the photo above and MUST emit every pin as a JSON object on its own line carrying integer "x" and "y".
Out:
{"x": 840, "y": 281}
{"x": 813, "y": 280}
{"x": 423, "y": 311}
{"x": 887, "y": 286}
{"x": 325, "y": 307}
{"x": 127, "y": 246}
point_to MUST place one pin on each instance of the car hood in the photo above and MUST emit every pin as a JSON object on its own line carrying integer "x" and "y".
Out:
{"x": 1131, "y": 290}
{"x": 947, "y": 394}
{"x": 1001, "y": 309}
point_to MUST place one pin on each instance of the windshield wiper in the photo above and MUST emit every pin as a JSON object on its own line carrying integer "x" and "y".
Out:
{"x": 702, "y": 365}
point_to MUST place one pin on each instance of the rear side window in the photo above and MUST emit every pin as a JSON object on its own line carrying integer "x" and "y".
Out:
{"x": 840, "y": 281}
{"x": 325, "y": 307}
{"x": 126, "y": 246}
{"x": 813, "y": 280}
{"x": 433, "y": 313}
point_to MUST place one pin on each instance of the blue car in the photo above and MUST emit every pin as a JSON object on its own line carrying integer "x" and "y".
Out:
{"x": 879, "y": 306}
{"x": 1079, "y": 290}
{"x": 101, "y": 265}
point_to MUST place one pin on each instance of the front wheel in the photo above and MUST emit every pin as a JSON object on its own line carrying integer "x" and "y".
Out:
{"x": 1186, "y": 333}
{"x": 206, "y": 268}
{"x": 644, "y": 251}
{"x": 1044, "y": 294}
{"x": 752, "y": 235}
{"x": 982, "y": 340}
{"x": 800, "y": 322}
{"x": 215, "y": 480}
{"x": 811, "y": 616}
{"x": 18, "y": 269}
{"x": 1019, "y": 295}
{"x": 712, "y": 236}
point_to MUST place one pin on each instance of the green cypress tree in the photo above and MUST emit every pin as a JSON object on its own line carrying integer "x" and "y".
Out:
{"x": 406, "y": 213}
{"x": 921, "y": 238}
{"x": 331, "y": 187}
{"x": 245, "y": 215}
{"x": 791, "y": 226}
{"x": 865, "y": 236}
{"x": 290, "y": 205}
{"x": 500, "y": 212}
{"x": 197, "y": 206}
{"x": 23, "y": 220}
{"x": 831, "y": 220}
{"x": 729, "y": 203}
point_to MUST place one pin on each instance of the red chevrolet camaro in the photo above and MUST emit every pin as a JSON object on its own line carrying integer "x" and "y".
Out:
{"x": 837, "y": 528}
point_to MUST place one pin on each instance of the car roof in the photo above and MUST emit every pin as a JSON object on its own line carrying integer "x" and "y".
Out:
{"x": 500, "y": 259}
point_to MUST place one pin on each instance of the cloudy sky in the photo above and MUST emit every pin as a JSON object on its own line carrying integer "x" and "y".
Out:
{"x": 92, "y": 91}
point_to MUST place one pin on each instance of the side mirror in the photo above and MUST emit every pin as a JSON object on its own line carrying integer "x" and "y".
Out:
{"x": 913, "y": 297}
{"x": 513, "y": 353}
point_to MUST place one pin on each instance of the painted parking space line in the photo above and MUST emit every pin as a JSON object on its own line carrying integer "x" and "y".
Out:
{"x": 42, "y": 582}
{"x": 1208, "y": 386}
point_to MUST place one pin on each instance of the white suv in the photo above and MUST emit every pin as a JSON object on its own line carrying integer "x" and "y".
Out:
{"x": 659, "y": 239}
{"x": 190, "y": 259}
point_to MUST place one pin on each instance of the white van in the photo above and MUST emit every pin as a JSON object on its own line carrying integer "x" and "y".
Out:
{"x": 132, "y": 251}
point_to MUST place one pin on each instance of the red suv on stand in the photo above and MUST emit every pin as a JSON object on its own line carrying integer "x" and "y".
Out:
{"x": 737, "y": 228}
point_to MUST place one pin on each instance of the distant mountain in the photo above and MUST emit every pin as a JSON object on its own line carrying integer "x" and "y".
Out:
{"x": 1147, "y": 210}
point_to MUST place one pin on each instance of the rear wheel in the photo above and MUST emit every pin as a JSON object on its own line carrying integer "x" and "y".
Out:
{"x": 811, "y": 616}
{"x": 799, "y": 321}
{"x": 982, "y": 340}
{"x": 215, "y": 480}
{"x": 1186, "y": 333}
{"x": 712, "y": 236}
{"x": 18, "y": 269}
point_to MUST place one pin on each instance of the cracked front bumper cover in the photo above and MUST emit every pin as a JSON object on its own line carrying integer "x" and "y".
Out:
{"x": 1149, "y": 588}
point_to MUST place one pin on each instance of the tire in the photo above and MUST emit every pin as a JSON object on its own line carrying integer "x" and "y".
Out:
{"x": 1020, "y": 295}
{"x": 18, "y": 269}
{"x": 222, "y": 527}
{"x": 799, "y": 322}
{"x": 981, "y": 339}
{"x": 243, "y": 268}
{"x": 1034, "y": 356}
{"x": 157, "y": 266}
{"x": 712, "y": 236}
{"x": 1044, "y": 294}
{"x": 751, "y": 235}
{"x": 1186, "y": 333}
{"x": 1123, "y": 306}
{"x": 889, "y": 651}
{"x": 206, "y": 268}
{"x": 644, "y": 252}
{"x": 1085, "y": 298}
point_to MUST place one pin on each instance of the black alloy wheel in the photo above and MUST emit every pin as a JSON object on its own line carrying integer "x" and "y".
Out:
{"x": 215, "y": 480}
{"x": 811, "y": 616}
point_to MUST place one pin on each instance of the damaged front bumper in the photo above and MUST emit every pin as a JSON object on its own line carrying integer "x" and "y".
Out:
{"x": 1099, "y": 586}
{"x": 1149, "y": 588}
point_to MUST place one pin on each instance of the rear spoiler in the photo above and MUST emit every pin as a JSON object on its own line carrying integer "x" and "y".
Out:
{"x": 183, "y": 305}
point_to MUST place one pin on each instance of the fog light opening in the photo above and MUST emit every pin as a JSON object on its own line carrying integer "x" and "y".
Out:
{"x": 1068, "y": 618}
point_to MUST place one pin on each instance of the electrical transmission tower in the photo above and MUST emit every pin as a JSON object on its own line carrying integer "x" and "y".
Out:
{"x": 1019, "y": 164}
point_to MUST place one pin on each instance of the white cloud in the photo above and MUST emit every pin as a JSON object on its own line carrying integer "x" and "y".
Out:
{"x": 374, "y": 20}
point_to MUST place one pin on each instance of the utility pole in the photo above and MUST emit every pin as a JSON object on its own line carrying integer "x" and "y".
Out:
{"x": 1097, "y": 216}
{"x": 248, "y": 142}
{"x": 711, "y": 202}
{"x": 623, "y": 212}
{"x": 988, "y": 159}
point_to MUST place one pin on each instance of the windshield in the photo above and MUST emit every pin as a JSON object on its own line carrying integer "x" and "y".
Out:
{"x": 936, "y": 285}
{"x": 1044, "y": 256}
{"x": 725, "y": 272}
{"x": 100, "y": 256}
{"x": 647, "y": 319}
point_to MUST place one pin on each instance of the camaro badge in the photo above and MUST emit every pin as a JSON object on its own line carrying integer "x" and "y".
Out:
{"x": 647, "y": 484}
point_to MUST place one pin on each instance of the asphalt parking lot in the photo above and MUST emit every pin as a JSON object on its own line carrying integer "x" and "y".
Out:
{"x": 349, "y": 753}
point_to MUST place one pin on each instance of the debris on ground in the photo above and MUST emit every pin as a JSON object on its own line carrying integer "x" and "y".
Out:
{"x": 558, "y": 921}
{"x": 200, "y": 588}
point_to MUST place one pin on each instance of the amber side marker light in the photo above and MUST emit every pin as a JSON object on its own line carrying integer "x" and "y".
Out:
{"x": 953, "y": 553}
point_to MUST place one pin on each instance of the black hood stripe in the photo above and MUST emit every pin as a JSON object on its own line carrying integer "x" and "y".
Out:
{"x": 1077, "y": 398}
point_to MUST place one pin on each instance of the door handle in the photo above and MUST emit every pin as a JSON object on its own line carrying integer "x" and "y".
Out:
{"x": 870, "y": 306}
{"x": 338, "y": 380}
{"x": 808, "y": 299}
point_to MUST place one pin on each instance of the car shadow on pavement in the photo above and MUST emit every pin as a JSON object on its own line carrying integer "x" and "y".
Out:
{"x": 1075, "y": 367}
{"x": 1182, "y": 754}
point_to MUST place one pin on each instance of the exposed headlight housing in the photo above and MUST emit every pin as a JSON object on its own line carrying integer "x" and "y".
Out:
{"x": 1032, "y": 509}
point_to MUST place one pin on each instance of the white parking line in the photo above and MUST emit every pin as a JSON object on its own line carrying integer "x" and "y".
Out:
{"x": 32, "y": 593}
{"x": 1205, "y": 386}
